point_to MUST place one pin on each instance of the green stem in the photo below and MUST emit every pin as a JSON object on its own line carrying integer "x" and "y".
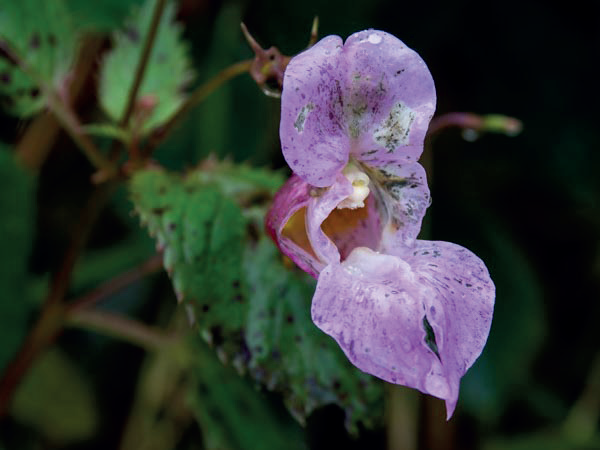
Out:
{"x": 197, "y": 97}
{"x": 50, "y": 321}
{"x": 120, "y": 327}
{"x": 65, "y": 115}
{"x": 143, "y": 62}
{"x": 402, "y": 412}
{"x": 70, "y": 123}
{"x": 116, "y": 284}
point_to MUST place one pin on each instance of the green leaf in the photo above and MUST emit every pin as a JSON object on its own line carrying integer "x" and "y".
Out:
{"x": 290, "y": 354}
{"x": 55, "y": 399}
{"x": 17, "y": 204}
{"x": 41, "y": 36}
{"x": 167, "y": 71}
{"x": 101, "y": 15}
{"x": 251, "y": 308}
{"x": 232, "y": 414}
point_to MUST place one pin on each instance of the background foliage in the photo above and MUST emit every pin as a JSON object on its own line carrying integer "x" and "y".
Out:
{"x": 528, "y": 205}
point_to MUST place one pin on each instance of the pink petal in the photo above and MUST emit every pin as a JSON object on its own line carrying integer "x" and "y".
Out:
{"x": 290, "y": 199}
{"x": 375, "y": 305}
{"x": 403, "y": 192}
{"x": 313, "y": 140}
{"x": 466, "y": 295}
{"x": 394, "y": 87}
{"x": 373, "y": 98}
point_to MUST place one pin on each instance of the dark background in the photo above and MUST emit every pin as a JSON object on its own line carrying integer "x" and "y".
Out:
{"x": 527, "y": 205}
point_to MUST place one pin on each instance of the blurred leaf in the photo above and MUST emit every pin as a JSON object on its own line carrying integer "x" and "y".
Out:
{"x": 167, "y": 72}
{"x": 99, "y": 265}
{"x": 213, "y": 119}
{"x": 518, "y": 329}
{"x": 55, "y": 399}
{"x": 41, "y": 35}
{"x": 160, "y": 412}
{"x": 541, "y": 441}
{"x": 101, "y": 15}
{"x": 16, "y": 234}
{"x": 257, "y": 315}
{"x": 232, "y": 414}
{"x": 289, "y": 353}
{"x": 107, "y": 130}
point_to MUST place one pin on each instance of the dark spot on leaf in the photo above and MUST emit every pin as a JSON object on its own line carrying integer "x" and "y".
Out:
{"x": 217, "y": 335}
{"x": 172, "y": 226}
{"x": 238, "y": 298}
{"x": 52, "y": 40}
{"x": 236, "y": 284}
{"x": 276, "y": 354}
{"x": 159, "y": 211}
{"x": 337, "y": 385}
{"x": 289, "y": 318}
{"x": 205, "y": 307}
{"x": 35, "y": 41}
{"x": 132, "y": 34}
{"x": 5, "y": 77}
{"x": 34, "y": 93}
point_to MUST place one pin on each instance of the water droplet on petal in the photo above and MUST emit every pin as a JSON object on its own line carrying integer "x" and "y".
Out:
{"x": 374, "y": 38}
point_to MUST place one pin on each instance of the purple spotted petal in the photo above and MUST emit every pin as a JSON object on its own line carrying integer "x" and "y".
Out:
{"x": 313, "y": 139}
{"x": 462, "y": 283}
{"x": 319, "y": 208}
{"x": 373, "y": 98}
{"x": 403, "y": 193}
{"x": 290, "y": 199}
{"x": 390, "y": 96}
{"x": 378, "y": 308}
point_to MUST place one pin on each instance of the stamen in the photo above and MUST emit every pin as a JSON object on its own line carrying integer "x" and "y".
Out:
{"x": 360, "y": 184}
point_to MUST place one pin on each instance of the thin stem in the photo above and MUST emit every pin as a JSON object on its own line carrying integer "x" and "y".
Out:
{"x": 64, "y": 114}
{"x": 40, "y": 136}
{"x": 197, "y": 97}
{"x": 117, "y": 283}
{"x": 50, "y": 320}
{"x": 401, "y": 417}
{"x": 143, "y": 62}
{"x": 314, "y": 32}
{"x": 70, "y": 123}
{"x": 495, "y": 123}
{"x": 132, "y": 331}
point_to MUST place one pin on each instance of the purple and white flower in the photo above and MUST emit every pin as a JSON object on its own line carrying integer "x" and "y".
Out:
{"x": 353, "y": 121}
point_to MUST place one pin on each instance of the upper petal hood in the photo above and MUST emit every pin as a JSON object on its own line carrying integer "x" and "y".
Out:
{"x": 371, "y": 98}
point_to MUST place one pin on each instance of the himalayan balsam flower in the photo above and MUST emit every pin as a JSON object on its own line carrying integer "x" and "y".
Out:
{"x": 353, "y": 121}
